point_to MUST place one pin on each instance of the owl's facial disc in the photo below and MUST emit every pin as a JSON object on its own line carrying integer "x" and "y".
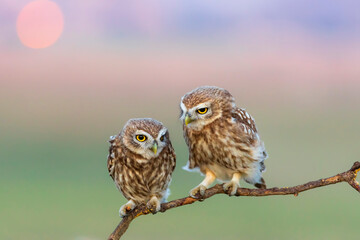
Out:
{"x": 161, "y": 140}
{"x": 146, "y": 145}
{"x": 200, "y": 115}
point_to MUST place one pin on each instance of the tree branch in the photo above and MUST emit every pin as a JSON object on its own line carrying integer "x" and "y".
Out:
{"x": 348, "y": 176}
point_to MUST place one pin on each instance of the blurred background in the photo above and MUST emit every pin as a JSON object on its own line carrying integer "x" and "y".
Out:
{"x": 73, "y": 72}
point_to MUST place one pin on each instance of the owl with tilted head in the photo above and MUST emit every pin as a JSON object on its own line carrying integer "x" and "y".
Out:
{"x": 141, "y": 161}
{"x": 223, "y": 141}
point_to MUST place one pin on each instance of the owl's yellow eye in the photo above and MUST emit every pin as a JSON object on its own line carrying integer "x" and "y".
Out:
{"x": 141, "y": 138}
{"x": 202, "y": 110}
{"x": 162, "y": 138}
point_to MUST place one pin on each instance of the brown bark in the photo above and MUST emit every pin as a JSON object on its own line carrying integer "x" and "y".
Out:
{"x": 348, "y": 176}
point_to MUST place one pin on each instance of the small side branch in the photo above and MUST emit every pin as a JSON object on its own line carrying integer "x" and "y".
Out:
{"x": 348, "y": 176}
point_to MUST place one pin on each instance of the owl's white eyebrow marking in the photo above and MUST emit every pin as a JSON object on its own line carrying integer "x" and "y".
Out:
{"x": 202, "y": 105}
{"x": 184, "y": 110}
{"x": 162, "y": 132}
{"x": 143, "y": 133}
{"x": 182, "y": 106}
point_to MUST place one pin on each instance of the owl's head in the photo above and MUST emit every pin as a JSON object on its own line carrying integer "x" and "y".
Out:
{"x": 204, "y": 105}
{"x": 146, "y": 137}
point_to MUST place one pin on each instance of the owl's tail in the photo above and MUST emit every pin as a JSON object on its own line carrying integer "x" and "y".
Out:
{"x": 255, "y": 180}
{"x": 262, "y": 166}
{"x": 261, "y": 185}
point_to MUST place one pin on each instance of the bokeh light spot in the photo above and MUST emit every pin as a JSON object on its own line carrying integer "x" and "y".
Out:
{"x": 40, "y": 24}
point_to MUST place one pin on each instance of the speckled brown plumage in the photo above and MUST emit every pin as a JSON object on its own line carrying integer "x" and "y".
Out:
{"x": 137, "y": 173}
{"x": 224, "y": 140}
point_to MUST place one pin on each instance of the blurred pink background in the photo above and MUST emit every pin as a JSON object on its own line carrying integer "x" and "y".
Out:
{"x": 295, "y": 53}
{"x": 294, "y": 65}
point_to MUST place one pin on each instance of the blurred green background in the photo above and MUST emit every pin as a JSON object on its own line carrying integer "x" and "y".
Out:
{"x": 295, "y": 68}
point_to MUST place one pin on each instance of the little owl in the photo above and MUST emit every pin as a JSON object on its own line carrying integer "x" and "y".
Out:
{"x": 141, "y": 161}
{"x": 222, "y": 139}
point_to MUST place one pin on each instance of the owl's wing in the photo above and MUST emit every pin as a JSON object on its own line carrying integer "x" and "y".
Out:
{"x": 247, "y": 125}
{"x": 246, "y": 122}
{"x": 113, "y": 154}
{"x": 172, "y": 158}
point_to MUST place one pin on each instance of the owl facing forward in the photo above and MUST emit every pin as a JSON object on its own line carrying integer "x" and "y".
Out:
{"x": 222, "y": 139}
{"x": 141, "y": 161}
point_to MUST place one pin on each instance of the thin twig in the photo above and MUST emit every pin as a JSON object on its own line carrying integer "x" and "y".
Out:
{"x": 348, "y": 176}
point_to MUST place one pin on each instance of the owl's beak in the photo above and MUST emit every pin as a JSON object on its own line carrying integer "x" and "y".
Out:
{"x": 154, "y": 148}
{"x": 187, "y": 119}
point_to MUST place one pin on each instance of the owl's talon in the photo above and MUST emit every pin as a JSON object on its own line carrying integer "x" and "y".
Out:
{"x": 153, "y": 205}
{"x": 231, "y": 187}
{"x": 126, "y": 208}
{"x": 199, "y": 190}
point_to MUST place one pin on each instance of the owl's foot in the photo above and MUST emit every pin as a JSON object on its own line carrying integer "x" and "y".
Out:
{"x": 126, "y": 208}
{"x": 231, "y": 187}
{"x": 153, "y": 204}
{"x": 199, "y": 190}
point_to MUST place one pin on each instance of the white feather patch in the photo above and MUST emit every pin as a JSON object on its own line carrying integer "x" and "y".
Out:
{"x": 186, "y": 168}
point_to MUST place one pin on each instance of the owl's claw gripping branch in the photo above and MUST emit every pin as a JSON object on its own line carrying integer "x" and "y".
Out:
{"x": 154, "y": 205}
{"x": 232, "y": 186}
{"x": 126, "y": 208}
{"x": 348, "y": 176}
{"x": 199, "y": 191}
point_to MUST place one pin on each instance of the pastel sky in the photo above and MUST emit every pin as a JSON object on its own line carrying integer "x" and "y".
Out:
{"x": 185, "y": 18}
{"x": 291, "y": 47}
